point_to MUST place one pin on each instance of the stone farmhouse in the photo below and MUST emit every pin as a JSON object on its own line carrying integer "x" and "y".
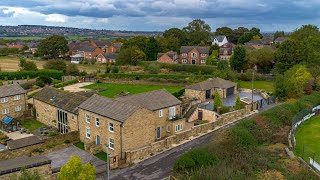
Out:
{"x": 168, "y": 57}
{"x": 13, "y": 101}
{"x": 219, "y": 40}
{"x": 205, "y": 90}
{"x": 58, "y": 108}
{"x": 106, "y": 58}
{"x": 130, "y": 122}
{"x": 194, "y": 54}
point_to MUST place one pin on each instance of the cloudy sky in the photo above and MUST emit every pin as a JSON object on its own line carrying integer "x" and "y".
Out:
{"x": 158, "y": 15}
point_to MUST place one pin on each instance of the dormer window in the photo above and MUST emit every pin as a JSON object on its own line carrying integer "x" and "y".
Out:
{"x": 203, "y": 55}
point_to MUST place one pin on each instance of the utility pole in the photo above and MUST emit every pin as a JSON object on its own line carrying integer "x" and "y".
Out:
{"x": 108, "y": 168}
{"x": 252, "y": 91}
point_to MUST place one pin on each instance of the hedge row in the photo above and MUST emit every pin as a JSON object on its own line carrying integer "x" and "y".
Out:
{"x": 31, "y": 74}
{"x": 66, "y": 83}
{"x": 190, "y": 68}
{"x": 179, "y": 77}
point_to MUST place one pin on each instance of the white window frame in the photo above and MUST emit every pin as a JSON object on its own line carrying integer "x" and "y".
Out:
{"x": 17, "y": 97}
{"x": 87, "y": 118}
{"x": 5, "y": 111}
{"x": 184, "y": 60}
{"x": 160, "y": 113}
{"x": 184, "y": 54}
{"x": 88, "y": 132}
{"x": 203, "y": 61}
{"x": 4, "y": 100}
{"x": 111, "y": 127}
{"x": 203, "y": 55}
{"x": 194, "y": 55}
{"x": 17, "y": 110}
{"x": 97, "y": 122}
{"x": 179, "y": 127}
{"x": 109, "y": 143}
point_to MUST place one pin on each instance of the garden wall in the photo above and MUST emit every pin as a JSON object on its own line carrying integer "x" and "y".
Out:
{"x": 53, "y": 143}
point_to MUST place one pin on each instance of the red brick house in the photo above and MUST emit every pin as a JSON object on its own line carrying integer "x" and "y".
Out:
{"x": 194, "y": 54}
{"x": 102, "y": 44}
{"x": 88, "y": 52}
{"x": 226, "y": 50}
{"x": 168, "y": 57}
{"x": 114, "y": 47}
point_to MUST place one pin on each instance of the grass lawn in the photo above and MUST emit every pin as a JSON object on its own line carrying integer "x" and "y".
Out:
{"x": 308, "y": 135}
{"x": 264, "y": 85}
{"x": 11, "y": 63}
{"x": 79, "y": 145}
{"x": 114, "y": 89}
{"x": 101, "y": 155}
{"x": 31, "y": 125}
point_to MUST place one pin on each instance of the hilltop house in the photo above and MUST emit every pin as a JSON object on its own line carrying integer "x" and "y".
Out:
{"x": 219, "y": 40}
{"x": 103, "y": 45}
{"x": 129, "y": 122}
{"x": 226, "y": 50}
{"x": 168, "y": 57}
{"x": 13, "y": 101}
{"x": 279, "y": 40}
{"x": 106, "y": 58}
{"x": 205, "y": 90}
{"x": 194, "y": 54}
{"x": 58, "y": 108}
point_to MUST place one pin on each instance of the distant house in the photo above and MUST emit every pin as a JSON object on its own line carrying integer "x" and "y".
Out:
{"x": 77, "y": 58}
{"x": 206, "y": 89}
{"x": 219, "y": 40}
{"x": 114, "y": 47}
{"x": 106, "y": 58}
{"x": 88, "y": 52}
{"x": 18, "y": 45}
{"x": 279, "y": 40}
{"x": 13, "y": 101}
{"x": 226, "y": 50}
{"x": 168, "y": 57}
{"x": 255, "y": 44}
{"x": 58, "y": 108}
{"x": 102, "y": 44}
{"x": 194, "y": 54}
{"x": 33, "y": 47}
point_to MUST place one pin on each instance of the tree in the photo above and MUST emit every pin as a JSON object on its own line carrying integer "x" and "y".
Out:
{"x": 56, "y": 65}
{"x": 1, "y": 83}
{"x": 293, "y": 83}
{"x": 72, "y": 69}
{"x": 152, "y": 49}
{"x": 178, "y": 34}
{"x": 169, "y": 44}
{"x": 238, "y": 103}
{"x": 237, "y": 33}
{"x": 74, "y": 169}
{"x": 197, "y": 31}
{"x": 27, "y": 65}
{"x": 245, "y": 38}
{"x": 223, "y": 66}
{"x": 278, "y": 34}
{"x": 262, "y": 58}
{"x": 237, "y": 60}
{"x": 217, "y": 102}
{"x": 214, "y": 47}
{"x": 213, "y": 58}
{"x": 256, "y": 32}
{"x": 132, "y": 55}
{"x": 224, "y": 31}
{"x": 53, "y": 47}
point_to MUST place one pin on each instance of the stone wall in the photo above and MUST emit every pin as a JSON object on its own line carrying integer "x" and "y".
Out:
{"x": 43, "y": 170}
{"x": 11, "y": 104}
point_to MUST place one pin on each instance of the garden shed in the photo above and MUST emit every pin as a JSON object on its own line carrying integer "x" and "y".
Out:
{"x": 9, "y": 124}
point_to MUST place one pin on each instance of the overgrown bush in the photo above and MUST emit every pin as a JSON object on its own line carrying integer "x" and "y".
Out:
{"x": 31, "y": 74}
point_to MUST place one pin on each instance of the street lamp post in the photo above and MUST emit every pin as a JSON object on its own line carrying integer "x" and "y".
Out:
{"x": 252, "y": 91}
{"x": 108, "y": 168}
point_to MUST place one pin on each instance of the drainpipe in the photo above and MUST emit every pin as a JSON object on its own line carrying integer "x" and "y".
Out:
{"x": 121, "y": 141}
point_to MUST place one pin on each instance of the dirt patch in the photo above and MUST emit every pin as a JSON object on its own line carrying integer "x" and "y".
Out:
{"x": 77, "y": 87}
{"x": 292, "y": 165}
{"x": 271, "y": 175}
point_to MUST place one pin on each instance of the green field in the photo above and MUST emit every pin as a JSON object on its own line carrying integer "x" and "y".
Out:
{"x": 308, "y": 138}
{"x": 112, "y": 89}
{"x": 23, "y": 38}
{"x": 264, "y": 85}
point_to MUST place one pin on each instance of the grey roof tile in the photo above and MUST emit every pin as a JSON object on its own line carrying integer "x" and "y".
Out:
{"x": 11, "y": 90}
{"x": 212, "y": 83}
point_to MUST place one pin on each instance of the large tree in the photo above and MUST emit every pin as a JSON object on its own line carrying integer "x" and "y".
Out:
{"x": 152, "y": 49}
{"x": 238, "y": 59}
{"x": 262, "y": 58}
{"x": 132, "y": 55}
{"x": 53, "y": 47}
{"x": 57, "y": 64}
{"x": 197, "y": 31}
{"x": 74, "y": 169}
{"x": 178, "y": 34}
{"x": 278, "y": 34}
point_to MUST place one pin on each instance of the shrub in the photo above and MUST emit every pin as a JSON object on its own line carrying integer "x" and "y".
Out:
{"x": 56, "y": 64}
{"x": 115, "y": 69}
{"x": 67, "y": 141}
{"x": 108, "y": 69}
{"x": 31, "y": 74}
{"x": 194, "y": 159}
{"x": 152, "y": 69}
{"x": 242, "y": 137}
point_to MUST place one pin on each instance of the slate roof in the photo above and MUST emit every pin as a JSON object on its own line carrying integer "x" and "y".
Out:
{"x": 212, "y": 83}
{"x": 201, "y": 49}
{"x": 102, "y": 43}
{"x": 171, "y": 54}
{"x": 257, "y": 42}
{"x": 16, "y": 164}
{"x": 110, "y": 55}
{"x": 86, "y": 48}
{"x": 61, "y": 99}
{"x": 24, "y": 142}
{"x": 280, "y": 39}
{"x": 219, "y": 38}
{"x": 103, "y": 106}
{"x": 117, "y": 45}
{"x": 152, "y": 100}
{"x": 11, "y": 90}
